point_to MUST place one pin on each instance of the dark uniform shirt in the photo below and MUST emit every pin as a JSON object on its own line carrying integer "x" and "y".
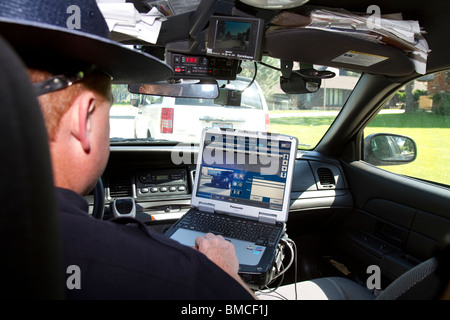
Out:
{"x": 119, "y": 261}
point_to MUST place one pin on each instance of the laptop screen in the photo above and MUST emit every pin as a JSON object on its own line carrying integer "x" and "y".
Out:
{"x": 244, "y": 169}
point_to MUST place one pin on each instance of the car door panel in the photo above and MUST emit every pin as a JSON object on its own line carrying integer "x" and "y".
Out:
{"x": 394, "y": 225}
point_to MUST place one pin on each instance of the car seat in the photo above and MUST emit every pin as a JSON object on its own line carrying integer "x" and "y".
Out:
{"x": 426, "y": 281}
{"x": 31, "y": 265}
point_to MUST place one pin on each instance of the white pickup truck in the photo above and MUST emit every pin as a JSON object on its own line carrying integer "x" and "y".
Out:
{"x": 182, "y": 119}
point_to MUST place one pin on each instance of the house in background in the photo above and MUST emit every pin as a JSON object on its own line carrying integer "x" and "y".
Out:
{"x": 331, "y": 96}
{"x": 434, "y": 84}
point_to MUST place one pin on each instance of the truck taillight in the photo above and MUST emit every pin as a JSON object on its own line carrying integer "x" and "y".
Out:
{"x": 166, "y": 120}
{"x": 267, "y": 122}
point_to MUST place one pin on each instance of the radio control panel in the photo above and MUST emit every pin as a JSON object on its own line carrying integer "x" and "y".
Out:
{"x": 198, "y": 67}
{"x": 160, "y": 182}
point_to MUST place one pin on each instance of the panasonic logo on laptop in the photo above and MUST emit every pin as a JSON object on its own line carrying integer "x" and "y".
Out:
{"x": 234, "y": 207}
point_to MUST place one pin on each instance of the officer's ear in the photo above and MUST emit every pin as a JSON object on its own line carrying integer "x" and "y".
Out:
{"x": 84, "y": 106}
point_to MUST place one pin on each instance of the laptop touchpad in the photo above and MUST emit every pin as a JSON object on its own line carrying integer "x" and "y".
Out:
{"x": 248, "y": 253}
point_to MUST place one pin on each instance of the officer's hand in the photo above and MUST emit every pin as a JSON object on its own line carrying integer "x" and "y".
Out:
{"x": 219, "y": 251}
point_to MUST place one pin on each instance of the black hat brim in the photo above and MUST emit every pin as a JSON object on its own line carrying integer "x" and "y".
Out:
{"x": 50, "y": 45}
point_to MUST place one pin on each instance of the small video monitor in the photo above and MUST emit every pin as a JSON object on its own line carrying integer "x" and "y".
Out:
{"x": 235, "y": 37}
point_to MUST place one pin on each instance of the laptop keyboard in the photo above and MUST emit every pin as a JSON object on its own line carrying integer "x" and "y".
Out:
{"x": 232, "y": 227}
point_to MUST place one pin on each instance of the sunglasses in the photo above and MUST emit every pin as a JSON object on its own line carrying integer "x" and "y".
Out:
{"x": 61, "y": 81}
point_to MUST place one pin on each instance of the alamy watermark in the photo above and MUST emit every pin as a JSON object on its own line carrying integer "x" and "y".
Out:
{"x": 74, "y": 279}
{"x": 374, "y": 280}
{"x": 74, "y": 20}
{"x": 226, "y": 150}
{"x": 374, "y": 21}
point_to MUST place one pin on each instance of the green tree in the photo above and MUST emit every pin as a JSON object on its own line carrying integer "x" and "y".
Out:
{"x": 410, "y": 105}
{"x": 266, "y": 77}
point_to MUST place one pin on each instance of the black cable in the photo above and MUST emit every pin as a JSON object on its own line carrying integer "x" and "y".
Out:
{"x": 269, "y": 66}
{"x": 293, "y": 260}
{"x": 295, "y": 266}
{"x": 254, "y": 77}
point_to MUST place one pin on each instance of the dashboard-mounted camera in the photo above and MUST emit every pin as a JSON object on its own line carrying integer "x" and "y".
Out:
{"x": 301, "y": 81}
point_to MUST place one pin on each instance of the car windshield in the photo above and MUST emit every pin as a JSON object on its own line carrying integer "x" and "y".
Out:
{"x": 263, "y": 106}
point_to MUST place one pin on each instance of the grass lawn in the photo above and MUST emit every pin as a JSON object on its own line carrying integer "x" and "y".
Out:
{"x": 308, "y": 130}
{"x": 430, "y": 132}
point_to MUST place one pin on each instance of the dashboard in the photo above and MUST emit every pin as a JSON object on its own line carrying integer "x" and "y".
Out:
{"x": 160, "y": 179}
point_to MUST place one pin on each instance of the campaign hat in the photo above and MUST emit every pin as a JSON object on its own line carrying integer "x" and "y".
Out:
{"x": 63, "y": 34}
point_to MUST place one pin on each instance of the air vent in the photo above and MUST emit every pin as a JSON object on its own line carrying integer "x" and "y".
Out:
{"x": 326, "y": 177}
{"x": 120, "y": 186}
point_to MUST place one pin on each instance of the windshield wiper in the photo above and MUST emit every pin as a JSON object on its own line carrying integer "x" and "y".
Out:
{"x": 141, "y": 141}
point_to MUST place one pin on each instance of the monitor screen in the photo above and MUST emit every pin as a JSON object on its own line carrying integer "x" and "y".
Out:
{"x": 242, "y": 170}
{"x": 235, "y": 37}
{"x": 233, "y": 34}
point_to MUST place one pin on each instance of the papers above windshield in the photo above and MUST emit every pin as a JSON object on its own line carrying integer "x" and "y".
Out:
{"x": 402, "y": 34}
{"x": 124, "y": 18}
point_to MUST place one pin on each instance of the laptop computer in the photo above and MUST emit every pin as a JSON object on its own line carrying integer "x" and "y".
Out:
{"x": 242, "y": 191}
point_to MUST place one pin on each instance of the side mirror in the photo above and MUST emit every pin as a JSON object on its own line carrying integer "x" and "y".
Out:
{"x": 381, "y": 149}
{"x": 134, "y": 102}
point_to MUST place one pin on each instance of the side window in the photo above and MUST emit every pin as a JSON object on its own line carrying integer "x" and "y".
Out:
{"x": 420, "y": 111}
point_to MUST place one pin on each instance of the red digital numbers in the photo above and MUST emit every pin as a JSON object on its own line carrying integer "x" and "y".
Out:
{"x": 191, "y": 60}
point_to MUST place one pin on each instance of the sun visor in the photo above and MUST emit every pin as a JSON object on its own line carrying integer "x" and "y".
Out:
{"x": 336, "y": 50}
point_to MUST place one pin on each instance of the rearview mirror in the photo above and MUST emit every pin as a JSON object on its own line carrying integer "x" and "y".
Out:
{"x": 200, "y": 89}
{"x": 382, "y": 149}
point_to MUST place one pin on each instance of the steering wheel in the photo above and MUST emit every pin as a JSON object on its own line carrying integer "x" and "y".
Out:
{"x": 99, "y": 200}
